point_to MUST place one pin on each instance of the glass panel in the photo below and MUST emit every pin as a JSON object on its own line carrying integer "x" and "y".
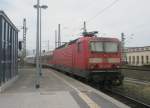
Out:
{"x": 142, "y": 59}
{"x": 129, "y": 59}
{"x": 14, "y": 52}
{"x": 96, "y": 46}
{"x": 7, "y": 52}
{"x": 111, "y": 47}
{"x": 3, "y": 33}
{"x": 2, "y": 52}
{"x": 137, "y": 59}
{"x": 147, "y": 59}
{"x": 133, "y": 62}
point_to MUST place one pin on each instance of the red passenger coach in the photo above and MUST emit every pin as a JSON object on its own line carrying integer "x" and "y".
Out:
{"x": 90, "y": 57}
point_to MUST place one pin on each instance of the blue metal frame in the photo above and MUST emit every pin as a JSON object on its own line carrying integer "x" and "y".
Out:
{"x": 0, "y": 50}
{"x": 8, "y": 49}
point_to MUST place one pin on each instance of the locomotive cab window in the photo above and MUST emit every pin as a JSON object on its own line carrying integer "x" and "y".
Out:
{"x": 96, "y": 46}
{"x": 111, "y": 47}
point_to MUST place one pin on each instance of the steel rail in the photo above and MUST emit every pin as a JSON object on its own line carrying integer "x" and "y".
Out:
{"x": 138, "y": 102}
{"x": 137, "y": 81}
{"x": 136, "y": 69}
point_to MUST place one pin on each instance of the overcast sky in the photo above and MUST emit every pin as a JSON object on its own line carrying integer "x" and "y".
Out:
{"x": 129, "y": 16}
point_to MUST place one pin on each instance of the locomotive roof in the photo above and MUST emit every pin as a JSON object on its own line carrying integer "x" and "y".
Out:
{"x": 94, "y": 38}
{"x": 106, "y": 39}
{"x": 69, "y": 43}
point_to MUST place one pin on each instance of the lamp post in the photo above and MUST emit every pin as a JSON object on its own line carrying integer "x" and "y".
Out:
{"x": 41, "y": 7}
{"x": 38, "y": 40}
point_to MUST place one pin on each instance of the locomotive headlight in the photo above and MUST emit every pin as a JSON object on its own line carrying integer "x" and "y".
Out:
{"x": 92, "y": 66}
{"x": 115, "y": 66}
{"x": 118, "y": 66}
{"x": 95, "y": 60}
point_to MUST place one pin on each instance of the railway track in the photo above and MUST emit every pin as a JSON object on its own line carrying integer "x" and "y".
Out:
{"x": 132, "y": 80}
{"x": 139, "y": 69}
{"x": 132, "y": 102}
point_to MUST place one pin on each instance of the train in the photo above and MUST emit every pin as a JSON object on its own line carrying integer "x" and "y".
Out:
{"x": 93, "y": 58}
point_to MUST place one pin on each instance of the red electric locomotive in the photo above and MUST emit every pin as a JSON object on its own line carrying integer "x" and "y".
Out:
{"x": 90, "y": 57}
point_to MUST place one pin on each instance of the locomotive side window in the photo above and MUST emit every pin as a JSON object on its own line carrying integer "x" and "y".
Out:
{"x": 110, "y": 47}
{"x": 96, "y": 46}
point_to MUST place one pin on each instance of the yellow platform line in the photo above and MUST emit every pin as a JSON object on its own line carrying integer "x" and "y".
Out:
{"x": 84, "y": 96}
{"x": 89, "y": 101}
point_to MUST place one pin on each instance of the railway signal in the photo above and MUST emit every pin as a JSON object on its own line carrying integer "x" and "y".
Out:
{"x": 123, "y": 48}
{"x": 20, "y": 45}
{"x": 24, "y": 37}
{"x": 59, "y": 35}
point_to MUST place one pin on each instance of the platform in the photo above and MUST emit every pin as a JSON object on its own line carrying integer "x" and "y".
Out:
{"x": 56, "y": 91}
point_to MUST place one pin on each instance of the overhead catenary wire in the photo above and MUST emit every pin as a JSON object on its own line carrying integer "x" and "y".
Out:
{"x": 103, "y": 10}
{"x": 99, "y": 13}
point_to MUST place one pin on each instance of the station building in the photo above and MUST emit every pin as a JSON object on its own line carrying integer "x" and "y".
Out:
{"x": 8, "y": 50}
{"x": 138, "y": 56}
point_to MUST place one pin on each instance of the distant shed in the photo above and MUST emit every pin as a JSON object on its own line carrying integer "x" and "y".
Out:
{"x": 8, "y": 49}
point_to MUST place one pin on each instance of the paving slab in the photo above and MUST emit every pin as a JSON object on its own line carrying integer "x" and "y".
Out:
{"x": 38, "y": 100}
{"x": 56, "y": 91}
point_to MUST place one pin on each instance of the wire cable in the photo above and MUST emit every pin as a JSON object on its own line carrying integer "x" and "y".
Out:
{"x": 103, "y": 10}
{"x": 100, "y": 12}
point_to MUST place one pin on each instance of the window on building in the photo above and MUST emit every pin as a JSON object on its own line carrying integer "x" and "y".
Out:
{"x": 147, "y": 59}
{"x": 133, "y": 59}
{"x": 137, "y": 59}
{"x": 142, "y": 60}
{"x": 129, "y": 59}
{"x": 146, "y": 48}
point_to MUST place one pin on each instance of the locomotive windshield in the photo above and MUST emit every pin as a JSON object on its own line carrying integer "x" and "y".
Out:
{"x": 110, "y": 47}
{"x": 104, "y": 47}
{"x": 97, "y": 47}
